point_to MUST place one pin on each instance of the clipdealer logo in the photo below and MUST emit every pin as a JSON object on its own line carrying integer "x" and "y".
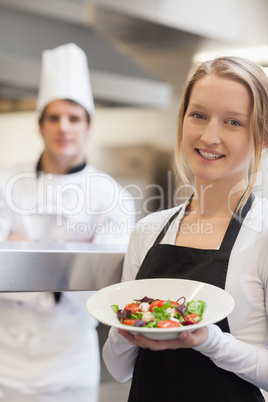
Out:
{"x": 50, "y": 196}
{"x": 68, "y": 199}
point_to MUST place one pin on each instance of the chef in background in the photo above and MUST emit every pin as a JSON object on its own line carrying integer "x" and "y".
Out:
{"x": 48, "y": 341}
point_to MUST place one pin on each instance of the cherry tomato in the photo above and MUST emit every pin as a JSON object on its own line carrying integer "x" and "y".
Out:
{"x": 157, "y": 303}
{"x": 191, "y": 319}
{"x": 168, "y": 324}
{"x": 133, "y": 307}
{"x": 129, "y": 321}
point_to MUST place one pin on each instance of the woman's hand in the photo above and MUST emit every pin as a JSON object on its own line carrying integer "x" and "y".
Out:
{"x": 185, "y": 340}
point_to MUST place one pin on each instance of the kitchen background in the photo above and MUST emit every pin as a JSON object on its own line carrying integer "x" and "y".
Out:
{"x": 139, "y": 52}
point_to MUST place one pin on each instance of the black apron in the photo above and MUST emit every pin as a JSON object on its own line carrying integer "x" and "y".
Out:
{"x": 185, "y": 375}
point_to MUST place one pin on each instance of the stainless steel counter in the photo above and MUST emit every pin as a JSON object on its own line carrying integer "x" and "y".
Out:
{"x": 107, "y": 392}
{"x": 27, "y": 266}
{"x": 84, "y": 395}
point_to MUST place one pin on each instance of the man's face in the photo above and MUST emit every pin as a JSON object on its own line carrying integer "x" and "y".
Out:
{"x": 64, "y": 129}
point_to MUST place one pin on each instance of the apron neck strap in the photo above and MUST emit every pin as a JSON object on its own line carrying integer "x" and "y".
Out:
{"x": 235, "y": 225}
{"x": 232, "y": 230}
{"x": 167, "y": 225}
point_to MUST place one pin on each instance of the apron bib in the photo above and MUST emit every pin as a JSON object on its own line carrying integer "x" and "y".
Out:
{"x": 185, "y": 375}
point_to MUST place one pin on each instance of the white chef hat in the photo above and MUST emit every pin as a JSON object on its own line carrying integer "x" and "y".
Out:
{"x": 65, "y": 75}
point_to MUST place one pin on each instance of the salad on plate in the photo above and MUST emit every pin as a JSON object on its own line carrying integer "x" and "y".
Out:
{"x": 159, "y": 313}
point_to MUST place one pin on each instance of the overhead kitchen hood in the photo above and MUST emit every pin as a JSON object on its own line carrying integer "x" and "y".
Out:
{"x": 116, "y": 80}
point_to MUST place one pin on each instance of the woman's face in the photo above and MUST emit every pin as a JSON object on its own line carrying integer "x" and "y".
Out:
{"x": 217, "y": 131}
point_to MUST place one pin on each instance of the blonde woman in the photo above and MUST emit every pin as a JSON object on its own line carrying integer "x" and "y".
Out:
{"x": 222, "y": 130}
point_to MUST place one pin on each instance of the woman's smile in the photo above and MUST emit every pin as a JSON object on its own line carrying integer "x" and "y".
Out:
{"x": 209, "y": 155}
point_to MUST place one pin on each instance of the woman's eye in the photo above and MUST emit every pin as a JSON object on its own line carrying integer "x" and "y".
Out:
{"x": 234, "y": 123}
{"x": 198, "y": 115}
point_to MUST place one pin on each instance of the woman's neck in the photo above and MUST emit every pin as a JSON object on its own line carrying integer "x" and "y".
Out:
{"x": 211, "y": 201}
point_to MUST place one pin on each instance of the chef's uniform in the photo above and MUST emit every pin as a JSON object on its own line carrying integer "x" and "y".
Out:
{"x": 49, "y": 342}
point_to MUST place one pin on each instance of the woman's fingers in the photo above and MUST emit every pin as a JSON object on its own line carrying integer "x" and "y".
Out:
{"x": 185, "y": 340}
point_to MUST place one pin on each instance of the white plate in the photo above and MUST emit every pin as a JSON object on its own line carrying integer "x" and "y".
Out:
{"x": 219, "y": 303}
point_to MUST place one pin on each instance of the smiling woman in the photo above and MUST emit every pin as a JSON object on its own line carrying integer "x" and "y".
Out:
{"x": 223, "y": 125}
{"x": 217, "y": 131}
{"x": 253, "y": 80}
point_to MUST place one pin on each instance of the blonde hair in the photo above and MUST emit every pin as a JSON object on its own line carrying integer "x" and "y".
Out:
{"x": 254, "y": 79}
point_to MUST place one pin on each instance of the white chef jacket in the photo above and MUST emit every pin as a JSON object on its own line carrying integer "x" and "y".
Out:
{"x": 244, "y": 350}
{"x": 48, "y": 347}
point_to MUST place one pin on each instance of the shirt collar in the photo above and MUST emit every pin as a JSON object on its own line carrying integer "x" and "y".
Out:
{"x": 74, "y": 169}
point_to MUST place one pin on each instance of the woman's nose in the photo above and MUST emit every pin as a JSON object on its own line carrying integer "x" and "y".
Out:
{"x": 211, "y": 133}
